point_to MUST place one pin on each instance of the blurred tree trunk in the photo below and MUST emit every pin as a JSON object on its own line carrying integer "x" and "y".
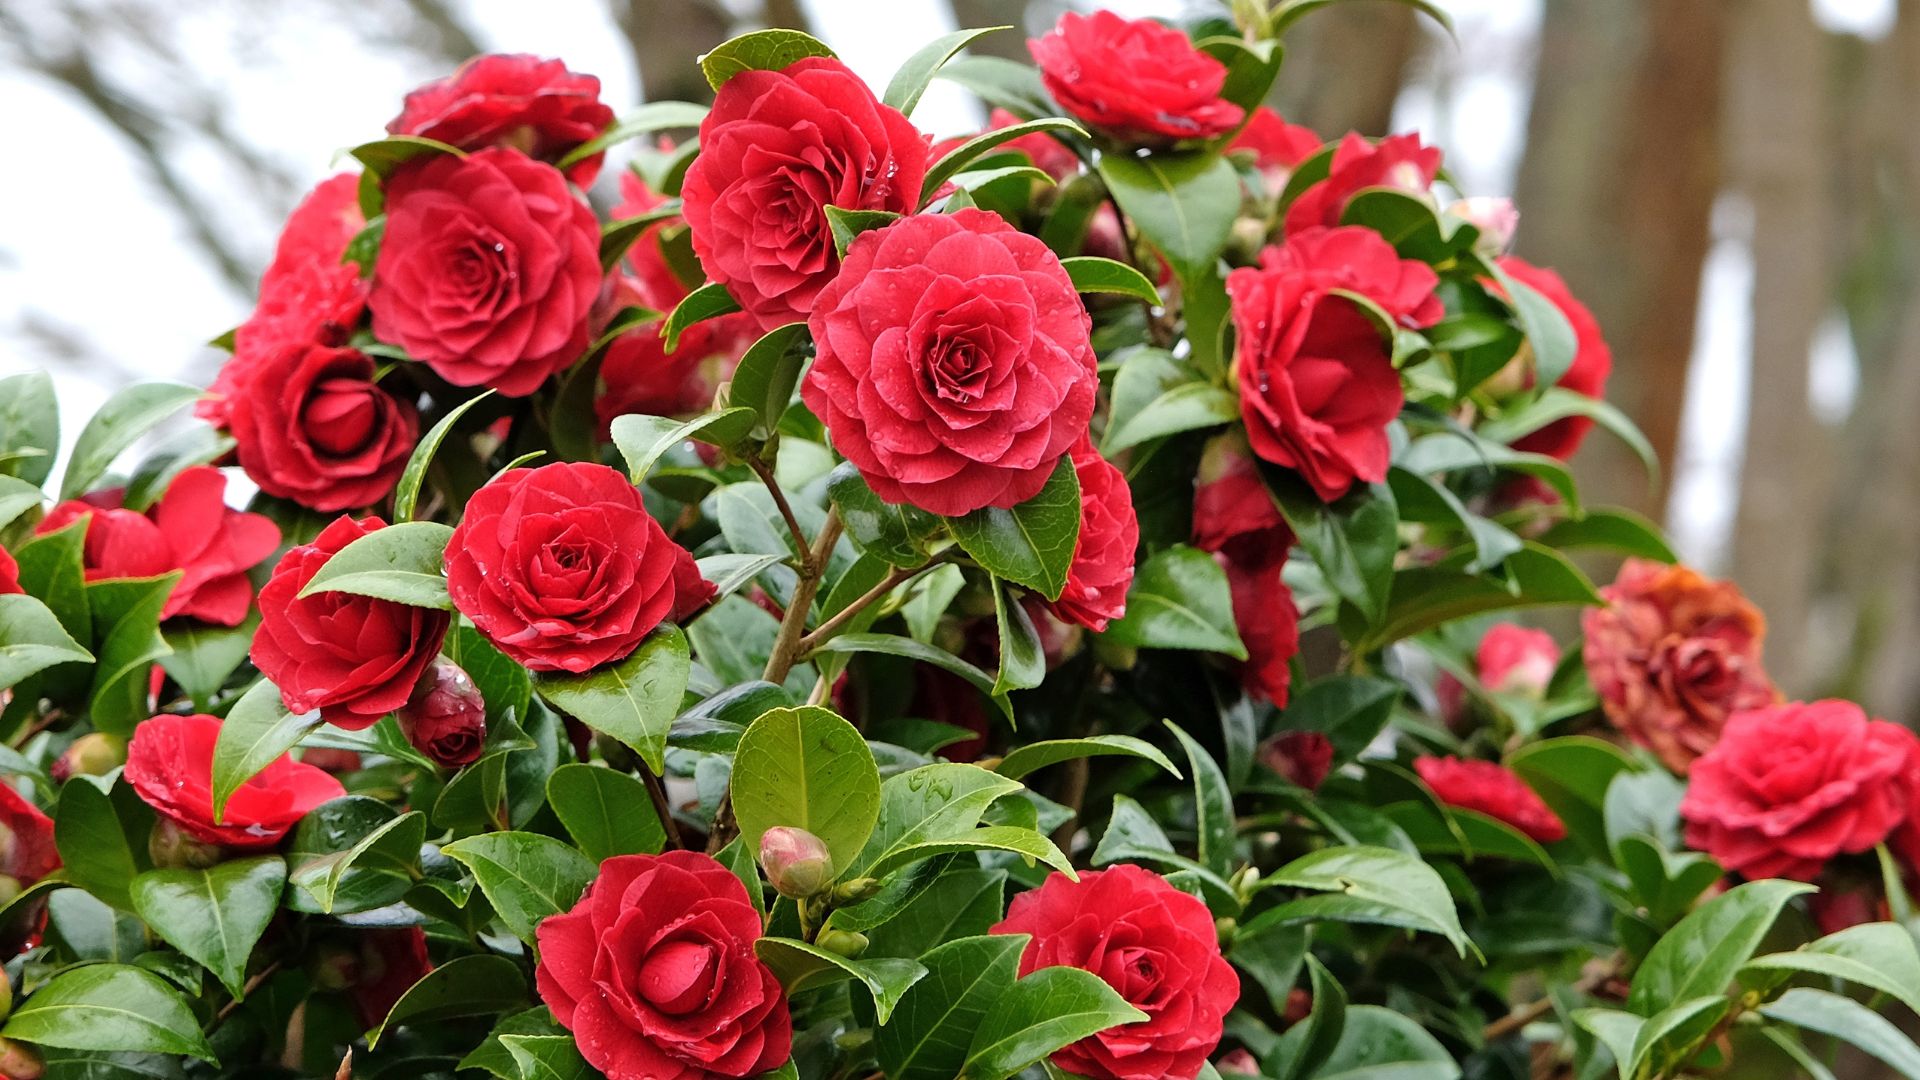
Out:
{"x": 1344, "y": 68}
{"x": 1622, "y": 167}
{"x": 1778, "y": 150}
{"x": 666, "y": 35}
{"x": 1007, "y": 44}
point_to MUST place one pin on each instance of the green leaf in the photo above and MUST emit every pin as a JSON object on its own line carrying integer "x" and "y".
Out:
{"x": 1031, "y": 544}
{"x": 894, "y": 532}
{"x": 125, "y": 417}
{"x": 108, "y": 1007}
{"x": 1155, "y": 395}
{"x": 96, "y": 834}
{"x": 643, "y": 439}
{"x": 606, "y": 812}
{"x": 215, "y": 915}
{"x": 1880, "y": 956}
{"x": 1213, "y": 805}
{"x": 1847, "y": 1020}
{"x": 1023, "y": 663}
{"x": 547, "y": 1057}
{"x": 1427, "y": 501}
{"x": 1350, "y": 710}
{"x": 255, "y": 733}
{"x": 648, "y": 118}
{"x": 848, "y": 224}
{"x": 526, "y": 877}
{"x": 762, "y": 50}
{"x": 1288, "y": 13}
{"x": 1027, "y": 843}
{"x": 1007, "y": 84}
{"x": 1701, "y": 955}
{"x": 380, "y": 867}
{"x": 931, "y": 1029}
{"x": 1395, "y": 880}
{"x": 1377, "y": 1043}
{"x": 894, "y": 645}
{"x": 383, "y": 157}
{"x": 634, "y": 700}
{"x": 1307, "y": 1045}
{"x": 1559, "y": 403}
{"x": 1092, "y": 274}
{"x": 904, "y": 89}
{"x": 130, "y": 610}
{"x": 1185, "y": 203}
{"x": 86, "y": 929}
{"x": 1353, "y": 540}
{"x": 1610, "y": 528}
{"x": 800, "y": 966}
{"x": 324, "y": 838}
{"x": 1180, "y": 600}
{"x": 960, "y": 902}
{"x": 709, "y": 301}
{"x": 1049, "y": 1009}
{"x": 1424, "y": 597}
{"x": 729, "y": 573}
{"x": 1022, "y": 760}
{"x": 29, "y": 426}
{"x": 465, "y": 986}
{"x": 806, "y": 768}
{"x": 1571, "y": 774}
{"x": 619, "y": 235}
{"x": 492, "y": 1054}
{"x": 402, "y": 563}
{"x": 932, "y": 802}
{"x": 205, "y": 655}
{"x": 961, "y": 156}
{"x": 1546, "y": 327}
{"x": 407, "y": 492}
{"x": 1455, "y": 451}
{"x": 16, "y": 495}
{"x": 768, "y": 372}
{"x": 32, "y": 639}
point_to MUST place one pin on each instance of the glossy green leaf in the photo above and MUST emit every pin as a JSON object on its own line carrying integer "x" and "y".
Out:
{"x": 1701, "y": 955}
{"x": 933, "y": 1026}
{"x": 960, "y": 902}
{"x": 108, "y": 1007}
{"x": 102, "y": 838}
{"x": 126, "y": 621}
{"x": 806, "y": 768}
{"x": 1180, "y": 600}
{"x": 606, "y": 812}
{"x": 126, "y": 416}
{"x": 648, "y": 118}
{"x": 547, "y": 1057}
{"x": 619, "y": 235}
{"x": 1353, "y": 540}
{"x": 1031, "y": 544}
{"x": 383, "y": 157}
{"x": 29, "y": 426}
{"x": 1213, "y": 805}
{"x": 407, "y": 492}
{"x": 377, "y": 869}
{"x": 932, "y": 802}
{"x": 894, "y": 645}
{"x": 1155, "y": 395}
{"x": 1092, "y": 274}
{"x": 967, "y": 152}
{"x": 214, "y": 915}
{"x": 1022, "y": 760}
{"x": 1307, "y": 1045}
{"x": 1424, "y": 597}
{"x": 526, "y": 877}
{"x": 846, "y": 225}
{"x": 1185, "y": 203}
{"x": 768, "y": 372}
{"x": 894, "y": 532}
{"x": 634, "y": 700}
{"x": 762, "y": 50}
{"x": 910, "y": 81}
{"x": 205, "y": 655}
{"x": 465, "y": 986}
{"x": 1000, "y": 82}
{"x": 257, "y": 730}
{"x": 1879, "y": 956}
{"x": 1027, "y": 843}
{"x": 1426, "y": 501}
{"x": 1049, "y": 1009}
{"x": 1610, "y": 529}
{"x": 1394, "y": 880}
{"x": 1023, "y": 662}
{"x": 32, "y": 639}
{"x": 1376, "y": 1043}
{"x": 709, "y": 301}
{"x": 1559, "y": 403}
{"x": 1847, "y": 1020}
{"x": 800, "y": 966}
{"x": 402, "y": 563}
{"x": 643, "y": 440}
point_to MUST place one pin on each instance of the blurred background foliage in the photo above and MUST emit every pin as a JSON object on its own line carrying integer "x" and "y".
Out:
{"x": 1732, "y": 185}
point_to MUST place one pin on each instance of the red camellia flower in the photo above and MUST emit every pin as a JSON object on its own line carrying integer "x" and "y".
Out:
{"x": 1491, "y": 789}
{"x": 563, "y": 569}
{"x": 170, "y": 765}
{"x": 1790, "y": 786}
{"x": 1672, "y": 655}
{"x": 27, "y": 852}
{"x": 9, "y": 574}
{"x": 1269, "y": 626}
{"x": 354, "y": 658}
{"x": 189, "y": 529}
{"x": 488, "y": 269}
{"x": 1303, "y": 757}
{"x": 1317, "y": 383}
{"x": 1592, "y": 360}
{"x": 1135, "y": 80}
{"x": 777, "y": 149}
{"x": 953, "y": 367}
{"x": 310, "y": 425}
{"x": 1152, "y": 943}
{"x": 1102, "y": 566}
{"x": 1276, "y": 145}
{"x": 1233, "y": 512}
{"x": 532, "y": 105}
{"x": 308, "y": 293}
{"x": 654, "y": 973}
{"x": 639, "y": 375}
{"x": 1397, "y": 161}
{"x": 1514, "y": 659}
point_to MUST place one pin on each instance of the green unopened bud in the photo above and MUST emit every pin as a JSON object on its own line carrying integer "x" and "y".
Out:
{"x": 852, "y": 892}
{"x": 19, "y": 1062}
{"x": 10, "y": 888}
{"x": 797, "y": 862}
{"x": 94, "y": 754}
{"x": 171, "y": 847}
{"x": 842, "y": 942}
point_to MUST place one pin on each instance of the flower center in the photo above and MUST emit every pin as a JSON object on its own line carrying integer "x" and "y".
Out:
{"x": 341, "y": 416}
{"x": 677, "y": 977}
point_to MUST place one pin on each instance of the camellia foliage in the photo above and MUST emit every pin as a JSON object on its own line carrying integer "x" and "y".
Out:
{"x": 1027, "y": 604}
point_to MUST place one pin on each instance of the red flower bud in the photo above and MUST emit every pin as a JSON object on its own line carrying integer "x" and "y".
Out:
{"x": 1303, "y": 757}
{"x": 19, "y": 1062}
{"x": 797, "y": 862}
{"x": 446, "y": 719}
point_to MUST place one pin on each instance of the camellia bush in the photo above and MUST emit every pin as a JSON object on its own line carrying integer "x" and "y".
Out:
{"x": 1032, "y": 603}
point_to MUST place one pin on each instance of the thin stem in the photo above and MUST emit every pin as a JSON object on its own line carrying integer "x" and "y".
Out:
{"x": 894, "y": 579}
{"x": 765, "y": 473}
{"x": 793, "y": 626}
{"x": 661, "y": 806}
{"x": 1522, "y": 1015}
{"x": 251, "y": 985}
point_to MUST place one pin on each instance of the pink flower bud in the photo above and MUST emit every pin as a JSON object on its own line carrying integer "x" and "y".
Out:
{"x": 19, "y": 1062}
{"x": 1239, "y": 1063}
{"x": 797, "y": 862}
{"x": 446, "y": 719}
{"x": 1303, "y": 757}
{"x": 1495, "y": 217}
{"x": 1515, "y": 660}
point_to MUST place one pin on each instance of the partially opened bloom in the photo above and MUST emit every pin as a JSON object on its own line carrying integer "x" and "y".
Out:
{"x": 170, "y": 765}
{"x": 533, "y": 105}
{"x": 1397, "y": 161}
{"x": 1491, "y": 789}
{"x": 1102, "y": 566}
{"x": 1136, "y": 80}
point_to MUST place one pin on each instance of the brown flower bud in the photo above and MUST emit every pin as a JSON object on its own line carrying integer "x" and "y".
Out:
{"x": 797, "y": 862}
{"x": 446, "y": 719}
